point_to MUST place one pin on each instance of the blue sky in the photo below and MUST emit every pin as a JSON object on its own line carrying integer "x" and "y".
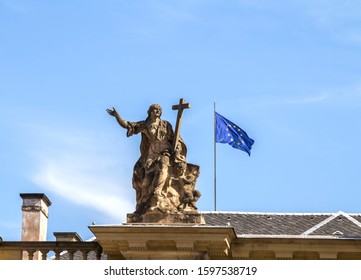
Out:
{"x": 287, "y": 72}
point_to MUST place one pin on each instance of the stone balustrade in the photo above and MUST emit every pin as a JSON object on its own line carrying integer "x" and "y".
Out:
{"x": 45, "y": 250}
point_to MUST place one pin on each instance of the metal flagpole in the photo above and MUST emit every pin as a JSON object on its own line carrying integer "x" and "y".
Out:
{"x": 215, "y": 160}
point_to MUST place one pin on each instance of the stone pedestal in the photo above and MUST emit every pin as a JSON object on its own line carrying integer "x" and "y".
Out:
{"x": 164, "y": 242}
{"x": 164, "y": 218}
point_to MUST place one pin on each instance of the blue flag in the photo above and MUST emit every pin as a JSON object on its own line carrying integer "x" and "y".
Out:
{"x": 228, "y": 132}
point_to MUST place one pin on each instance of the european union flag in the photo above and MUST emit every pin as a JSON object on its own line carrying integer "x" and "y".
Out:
{"x": 228, "y": 132}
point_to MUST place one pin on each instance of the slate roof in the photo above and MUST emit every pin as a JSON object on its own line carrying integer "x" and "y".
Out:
{"x": 337, "y": 224}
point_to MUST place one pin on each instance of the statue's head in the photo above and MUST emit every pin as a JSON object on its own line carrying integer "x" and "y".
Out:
{"x": 155, "y": 108}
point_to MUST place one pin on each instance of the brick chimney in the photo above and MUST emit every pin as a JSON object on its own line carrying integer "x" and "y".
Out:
{"x": 35, "y": 217}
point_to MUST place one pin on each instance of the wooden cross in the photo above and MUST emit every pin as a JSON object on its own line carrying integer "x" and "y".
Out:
{"x": 180, "y": 107}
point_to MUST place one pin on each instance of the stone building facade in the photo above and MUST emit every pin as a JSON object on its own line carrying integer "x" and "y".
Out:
{"x": 223, "y": 236}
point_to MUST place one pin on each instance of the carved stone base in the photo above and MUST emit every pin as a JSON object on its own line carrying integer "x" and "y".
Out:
{"x": 164, "y": 218}
{"x": 165, "y": 242}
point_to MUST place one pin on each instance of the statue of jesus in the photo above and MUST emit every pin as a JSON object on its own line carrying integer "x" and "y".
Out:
{"x": 159, "y": 164}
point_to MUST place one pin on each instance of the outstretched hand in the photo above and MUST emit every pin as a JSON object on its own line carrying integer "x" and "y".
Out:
{"x": 112, "y": 112}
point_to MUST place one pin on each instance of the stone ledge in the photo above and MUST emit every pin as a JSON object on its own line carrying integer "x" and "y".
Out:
{"x": 165, "y": 218}
{"x": 157, "y": 241}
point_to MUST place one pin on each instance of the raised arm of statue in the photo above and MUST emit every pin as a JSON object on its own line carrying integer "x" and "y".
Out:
{"x": 114, "y": 113}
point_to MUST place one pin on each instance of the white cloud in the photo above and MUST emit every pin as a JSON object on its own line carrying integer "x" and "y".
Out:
{"x": 9, "y": 225}
{"x": 277, "y": 101}
{"x": 341, "y": 19}
{"x": 307, "y": 99}
{"x": 332, "y": 10}
{"x": 13, "y": 6}
{"x": 180, "y": 13}
{"x": 347, "y": 97}
{"x": 83, "y": 185}
{"x": 353, "y": 36}
{"x": 84, "y": 170}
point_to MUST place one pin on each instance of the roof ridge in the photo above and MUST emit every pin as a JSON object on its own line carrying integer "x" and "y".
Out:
{"x": 267, "y": 213}
{"x": 329, "y": 219}
{"x": 295, "y": 236}
{"x": 352, "y": 219}
{"x": 321, "y": 224}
